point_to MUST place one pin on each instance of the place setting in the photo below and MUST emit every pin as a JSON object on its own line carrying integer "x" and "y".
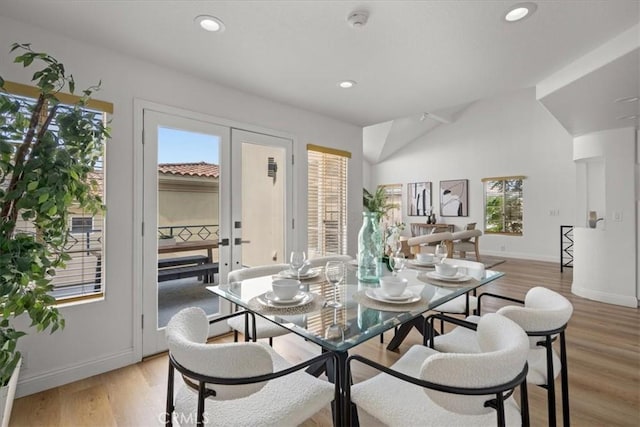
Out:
{"x": 286, "y": 297}
{"x": 300, "y": 268}
{"x": 306, "y": 274}
{"x": 447, "y": 275}
{"x": 394, "y": 294}
{"x": 423, "y": 261}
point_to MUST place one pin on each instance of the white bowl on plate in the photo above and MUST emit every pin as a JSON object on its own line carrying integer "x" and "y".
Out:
{"x": 393, "y": 286}
{"x": 424, "y": 258}
{"x": 446, "y": 270}
{"x": 285, "y": 289}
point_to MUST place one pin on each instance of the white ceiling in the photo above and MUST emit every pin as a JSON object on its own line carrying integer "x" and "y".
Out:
{"x": 411, "y": 57}
{"x": 588, "y": 104}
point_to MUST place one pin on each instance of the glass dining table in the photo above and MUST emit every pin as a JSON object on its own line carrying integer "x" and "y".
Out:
{"x": 364, "y": 312}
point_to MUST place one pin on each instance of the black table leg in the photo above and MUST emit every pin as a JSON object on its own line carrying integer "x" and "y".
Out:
{"x": 319, "y": 368}
{"x": 339, "y": 408}
{"x": 404, "y": 330}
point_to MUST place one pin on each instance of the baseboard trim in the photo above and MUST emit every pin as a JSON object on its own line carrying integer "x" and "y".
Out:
{"x": 623, "y": 300}
{"x": 67, "y": 374}
{"x": 518, "y": 255}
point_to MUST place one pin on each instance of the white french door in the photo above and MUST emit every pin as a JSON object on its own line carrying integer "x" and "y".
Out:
{"x": 205, "y": 182}
{"x": 261, "y": 198}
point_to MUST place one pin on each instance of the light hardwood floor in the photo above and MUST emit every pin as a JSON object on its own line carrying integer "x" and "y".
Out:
{"x": 603, "y": 345}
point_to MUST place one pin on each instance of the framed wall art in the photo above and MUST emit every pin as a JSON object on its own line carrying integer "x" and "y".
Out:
{"x": 419, "y": 198}
{"x": 454, "y": 197}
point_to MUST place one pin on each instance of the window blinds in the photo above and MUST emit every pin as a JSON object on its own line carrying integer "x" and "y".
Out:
{"x": 83, "y": 276}
{"x": 327, "y": 201}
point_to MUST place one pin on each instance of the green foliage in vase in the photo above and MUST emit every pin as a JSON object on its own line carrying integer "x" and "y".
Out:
{"x": 42, "y": 174}
{"x": 376, "y": 202}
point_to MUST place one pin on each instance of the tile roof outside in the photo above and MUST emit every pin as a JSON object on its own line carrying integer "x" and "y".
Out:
{"x": 202, "y": 169}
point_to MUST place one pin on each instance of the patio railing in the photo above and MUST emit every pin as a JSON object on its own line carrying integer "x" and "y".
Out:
{"x": 186, "y": 233}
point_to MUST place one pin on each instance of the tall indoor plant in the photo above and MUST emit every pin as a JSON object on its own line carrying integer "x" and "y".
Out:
{"x": 48, "y": 152}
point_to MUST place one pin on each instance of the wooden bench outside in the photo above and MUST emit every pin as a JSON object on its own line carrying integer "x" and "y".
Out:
{"x": 183, "y": 260}
{"x": 207, "y": 270}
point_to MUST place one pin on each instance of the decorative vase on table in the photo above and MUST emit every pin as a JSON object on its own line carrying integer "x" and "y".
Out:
{"x": 370, "y": 249}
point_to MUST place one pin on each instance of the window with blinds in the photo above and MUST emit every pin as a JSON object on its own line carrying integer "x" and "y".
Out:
{"x": 503, "y": 205}
{"x": 327, "y": 201}
{"x": 83, "y": 275}
{"x": 393, "y": 194}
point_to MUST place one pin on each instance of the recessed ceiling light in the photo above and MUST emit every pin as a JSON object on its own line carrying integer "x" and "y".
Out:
{"x": 346, "y": 84}
{"x": 627, "y": 99}
{"x": 635, "y": 116}
{"x": 520, "y": 11}
{"x": 210, "y": 23}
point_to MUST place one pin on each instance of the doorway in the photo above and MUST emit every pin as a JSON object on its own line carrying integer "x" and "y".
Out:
{"x": 215, "y": 198}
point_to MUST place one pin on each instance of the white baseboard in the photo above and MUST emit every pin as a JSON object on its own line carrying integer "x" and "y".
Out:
{"x": 43, "y": 381}
{"x": 623, "y": 300}
{"x": 518, "y": 255}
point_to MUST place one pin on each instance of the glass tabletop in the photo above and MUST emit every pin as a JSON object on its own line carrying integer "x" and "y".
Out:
{"x": 365, "y": 311}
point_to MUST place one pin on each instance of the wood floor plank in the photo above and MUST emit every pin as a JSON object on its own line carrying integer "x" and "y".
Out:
{"x": 603, "y": 346}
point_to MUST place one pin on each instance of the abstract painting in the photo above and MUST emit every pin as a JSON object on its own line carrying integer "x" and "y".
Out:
{"x": 454, "y": 197}
{"x": 419, "y": 198}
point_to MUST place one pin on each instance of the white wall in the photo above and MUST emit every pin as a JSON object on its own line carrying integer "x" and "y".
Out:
{"x": 614, "y": 239}
{"x": 508, "y": 135}
{"x": 100, "y": 336}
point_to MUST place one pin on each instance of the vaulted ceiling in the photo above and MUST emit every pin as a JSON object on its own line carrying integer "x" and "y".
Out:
{"x": 412, "y": 57}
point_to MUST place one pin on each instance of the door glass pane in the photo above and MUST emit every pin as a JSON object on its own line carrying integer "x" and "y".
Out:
{"x": 188, "y": 220}
{"x": 263, "y": 204}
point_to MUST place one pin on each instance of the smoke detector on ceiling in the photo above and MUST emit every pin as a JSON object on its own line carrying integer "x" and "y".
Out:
{"x": 358, "y": 19}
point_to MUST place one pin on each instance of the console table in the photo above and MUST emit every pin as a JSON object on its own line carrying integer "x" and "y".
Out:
{"x": 420, "y": 229}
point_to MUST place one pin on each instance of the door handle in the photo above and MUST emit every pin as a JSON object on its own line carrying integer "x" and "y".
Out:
{"x": 223, "y": 242}
{"x": 239, "y": 241}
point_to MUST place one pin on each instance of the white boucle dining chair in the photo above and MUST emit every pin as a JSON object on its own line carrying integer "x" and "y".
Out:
{"x": 467, "y": 303}
{"x": 428, "y": 388}
{"x": 322, "y": 260}
{"x": 258, "y": 327}
{"x": 463, "y": 304}
{"x": 544, "y": 317}
{"x": 237, "y": 384}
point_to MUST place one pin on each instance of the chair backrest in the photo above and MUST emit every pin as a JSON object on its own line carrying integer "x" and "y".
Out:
{"x": 322, "y": 260}
{"x": 186, "y": 335}
{"x": 544, "y": 310}
{"x": 474, "y": 269}
{"x": 504, "y": 347}
{"x": 258, "y": 271}
{"x": 415, "y": 243}
{"x": 465, "y": 235}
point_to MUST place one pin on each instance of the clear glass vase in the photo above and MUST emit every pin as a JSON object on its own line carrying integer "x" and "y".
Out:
{"x": 370, "y": 247}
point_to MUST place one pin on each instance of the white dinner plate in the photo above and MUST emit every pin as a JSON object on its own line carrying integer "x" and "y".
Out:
{"x": 310, "y": 274}
{"x": 417, "y": 263}
{"x": 458, "y": 277}
{"x": 378, "y": 295}
{"x": 270, "y": 299}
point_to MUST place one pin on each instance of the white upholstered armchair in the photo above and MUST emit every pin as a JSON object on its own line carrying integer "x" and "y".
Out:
{"x": 428, "y": 388}
{"x": 544, "y": 315}
{"x": 255, "y": 327}
{"x": 237, "y": 384}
